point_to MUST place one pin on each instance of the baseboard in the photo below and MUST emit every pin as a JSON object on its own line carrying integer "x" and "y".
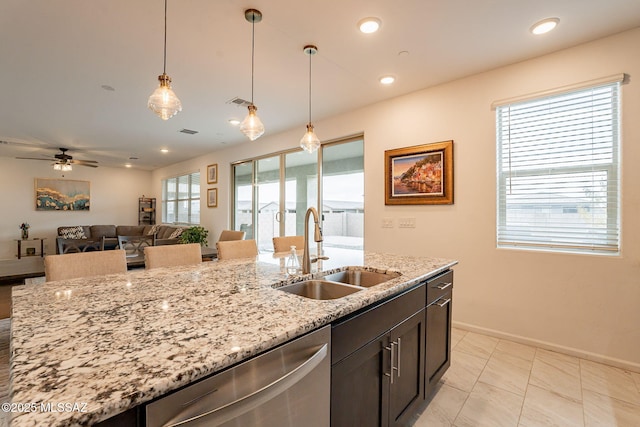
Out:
{"x": 619, "y": 363}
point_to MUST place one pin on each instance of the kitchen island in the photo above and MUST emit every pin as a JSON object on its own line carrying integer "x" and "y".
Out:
{"x": 107, "y": 344}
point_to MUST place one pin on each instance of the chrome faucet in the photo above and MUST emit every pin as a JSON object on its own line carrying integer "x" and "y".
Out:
{"x": 317, "y": 236}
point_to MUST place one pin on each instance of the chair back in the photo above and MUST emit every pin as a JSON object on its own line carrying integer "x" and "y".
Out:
{"x": 70, "y": 246}
{"x": 172, "y": 255}
{"x": 84, "y": 264}
{"x": 134, "y": 245}
{"x": 227, "y": 235}
{"x": 237, "y": 249}
{"x": 283, "y": 244}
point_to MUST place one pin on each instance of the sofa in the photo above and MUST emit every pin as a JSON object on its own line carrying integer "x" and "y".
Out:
{"x": 166, "y": 234}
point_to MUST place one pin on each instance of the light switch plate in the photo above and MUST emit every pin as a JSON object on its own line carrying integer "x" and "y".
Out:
{"x": 407, "y": 222}
{"x": 387, "y": 222}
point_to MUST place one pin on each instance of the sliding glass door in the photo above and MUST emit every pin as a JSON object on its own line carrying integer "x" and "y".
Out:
{"x": 273, "y": 193}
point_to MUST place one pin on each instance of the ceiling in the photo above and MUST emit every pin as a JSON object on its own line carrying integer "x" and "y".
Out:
{"x": 58, "y": 55}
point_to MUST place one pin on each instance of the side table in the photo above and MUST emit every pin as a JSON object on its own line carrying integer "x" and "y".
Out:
{"x": 41, "y": 239}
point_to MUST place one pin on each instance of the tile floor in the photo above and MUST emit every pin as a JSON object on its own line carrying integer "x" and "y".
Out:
{"x": 494, "y": 383}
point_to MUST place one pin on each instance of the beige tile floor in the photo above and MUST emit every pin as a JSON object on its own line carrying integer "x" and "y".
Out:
{"x": 494, "y": 383}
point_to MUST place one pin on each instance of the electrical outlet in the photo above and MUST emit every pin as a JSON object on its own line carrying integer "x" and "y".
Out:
{"x": 387, "y": 222}
{"x": 407, "y": 222}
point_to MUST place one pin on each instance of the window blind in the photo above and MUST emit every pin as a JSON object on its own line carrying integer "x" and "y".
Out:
{"x": 558, "y": 171}
{"x": 181, "y": 199}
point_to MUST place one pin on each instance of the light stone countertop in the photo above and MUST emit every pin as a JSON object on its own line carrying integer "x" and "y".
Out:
{"x": 114, "y": 342}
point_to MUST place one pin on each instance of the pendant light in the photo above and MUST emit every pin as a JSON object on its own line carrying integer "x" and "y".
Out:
{"x": 251, "y": 126}
{"x": 163, "y": 101}
{"x": 310, "y": 141}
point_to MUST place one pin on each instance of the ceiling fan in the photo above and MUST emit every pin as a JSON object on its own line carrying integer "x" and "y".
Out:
{"x": 63, "y": 160}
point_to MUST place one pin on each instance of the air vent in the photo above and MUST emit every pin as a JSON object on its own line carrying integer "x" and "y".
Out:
{"x": 189, "y": 131}
{"x": 239, "y": 102}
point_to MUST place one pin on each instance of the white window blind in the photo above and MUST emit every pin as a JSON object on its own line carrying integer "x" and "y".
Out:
{"x": 558, "y": 171}
{"x": 181, "y": 199}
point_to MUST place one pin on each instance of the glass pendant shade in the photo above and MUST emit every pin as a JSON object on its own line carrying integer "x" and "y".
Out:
{"x": 64, "y": 167}
{"x": 310, "y": 141}
{"x": 163, "y": 101}
{"x": 251, "y": 126}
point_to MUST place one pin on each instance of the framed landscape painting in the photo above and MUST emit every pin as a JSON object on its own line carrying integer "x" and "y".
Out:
{"x": 62, "y": 195}
{"x": 419, "y": 175}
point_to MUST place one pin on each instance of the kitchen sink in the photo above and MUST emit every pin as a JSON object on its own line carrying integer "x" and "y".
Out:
{"x": 320, "y": 289}
{"x": 362, "y": 278}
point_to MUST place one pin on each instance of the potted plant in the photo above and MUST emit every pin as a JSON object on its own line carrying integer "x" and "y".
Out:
{"x": 195, "y": 234}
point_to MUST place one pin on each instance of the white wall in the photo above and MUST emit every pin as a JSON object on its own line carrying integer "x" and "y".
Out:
{"x": 114, "y": 200}
{"x": 586, "y": 304}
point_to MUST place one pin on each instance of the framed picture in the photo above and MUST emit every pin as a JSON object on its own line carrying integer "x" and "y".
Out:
{"x": 212, "y": 197}
{"x": 212, "y": 174}
{"x": 419, "y": 175}
{"x": 62, "y": 195}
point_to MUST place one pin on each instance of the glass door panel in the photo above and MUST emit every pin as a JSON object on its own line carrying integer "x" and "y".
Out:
{"x": 243, "y": 198}
{"x": 343, "y": 195}
{"x": 300, "y": 190}
{"x": 268, "y": 202}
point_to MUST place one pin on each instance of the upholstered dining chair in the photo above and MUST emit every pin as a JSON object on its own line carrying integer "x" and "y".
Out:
{"x": 84, "y": 264}
{"x": 237, "y": 249}
{"x": 134, "y": 245}
{"x": 283, "y": 244}
{"x": 227, "y": 235}
{"x": 172, "y": 255}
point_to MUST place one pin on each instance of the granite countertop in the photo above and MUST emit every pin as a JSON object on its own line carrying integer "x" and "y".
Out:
{"x": 113, "y": 342}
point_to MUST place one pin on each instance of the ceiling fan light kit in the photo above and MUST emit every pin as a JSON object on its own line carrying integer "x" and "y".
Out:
{"x": 63, "y": 162}
{"x": 163, "y": 101}
{"x": 252, "y": 126}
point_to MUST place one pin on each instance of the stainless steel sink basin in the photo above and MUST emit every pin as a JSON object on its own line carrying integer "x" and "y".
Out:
{"x": 320, "y": 289}
{"x": 362, "y": 278}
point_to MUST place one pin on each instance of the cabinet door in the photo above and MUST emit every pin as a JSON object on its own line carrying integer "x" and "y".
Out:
{"x": 360, "y": 388}
{"x": 407, "y": 385}
{"x": 438, "y": 339}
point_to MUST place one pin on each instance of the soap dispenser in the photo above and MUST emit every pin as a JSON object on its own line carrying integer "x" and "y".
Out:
{"x": 293, "y": 265}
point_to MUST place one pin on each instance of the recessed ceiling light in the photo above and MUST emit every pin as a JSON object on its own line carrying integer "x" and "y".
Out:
{"x": 164, "y": 150}
{"x": 234, "y": 122}
{"x": 387, "y": 80}
{"x": 369, "y": 25}
{"x": 128, "y": 165}
{"x": 544, "y": 26}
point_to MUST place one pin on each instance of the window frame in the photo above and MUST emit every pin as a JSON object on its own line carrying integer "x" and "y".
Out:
{"x": 192, "y": 196}
{"x": 610, "y": 244}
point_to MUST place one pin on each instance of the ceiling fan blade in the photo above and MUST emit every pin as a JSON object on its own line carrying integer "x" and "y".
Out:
{"x": 84, "y": 161}
{"x": 35, "y": 158}
{"x": 85, "y": 164}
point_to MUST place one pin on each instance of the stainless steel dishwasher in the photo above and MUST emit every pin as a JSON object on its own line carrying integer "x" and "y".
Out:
{"x": 288, "y": 386}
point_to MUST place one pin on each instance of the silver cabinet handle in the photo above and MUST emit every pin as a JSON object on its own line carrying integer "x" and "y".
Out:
{"x": 398, "y": 355}
{"x": 443, "y": 303}
{"x": 390, "y": 348}
{"x": 253, "y": 400}
{"x": 442, "y": 285}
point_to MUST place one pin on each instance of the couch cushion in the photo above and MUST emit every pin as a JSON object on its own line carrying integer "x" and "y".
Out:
{"x": 151, "y": 229}
{"x": 130, "y": 230}
{"x": 75, "y": 232}
{"x": 99, "y": 231}
{"x": 165, "y": 231}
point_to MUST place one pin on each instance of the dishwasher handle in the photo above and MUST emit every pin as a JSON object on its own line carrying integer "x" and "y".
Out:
{"x": 251, "y": 401}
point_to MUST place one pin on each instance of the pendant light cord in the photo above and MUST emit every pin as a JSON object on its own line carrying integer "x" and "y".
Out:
{"x": 164, "y": 68}
{"x": 253, "y": 41}
{"x": 310, "y": 54}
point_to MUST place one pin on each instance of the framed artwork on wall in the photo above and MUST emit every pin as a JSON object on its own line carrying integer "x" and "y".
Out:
{"x": 212, "y": 197}
{"x": 419, "y": 175}
{"x": 62, "y": 195}
{"x": 212, "y": 174}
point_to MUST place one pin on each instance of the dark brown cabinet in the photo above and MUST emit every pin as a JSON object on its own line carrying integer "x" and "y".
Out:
{"x": 146, "y": 211}
{"x": 377, "y": 376}
{"x": 438, "y": 342}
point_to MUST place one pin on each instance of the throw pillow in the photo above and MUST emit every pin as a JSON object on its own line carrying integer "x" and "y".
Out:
{"x": 154, "y": 229}
{"x": 176, "y": 233}
{"x": 72, "y": 232}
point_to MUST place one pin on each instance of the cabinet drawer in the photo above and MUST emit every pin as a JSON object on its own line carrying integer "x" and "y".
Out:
{"x": 355, "y": 331}
{"x": 439, "y": 286}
